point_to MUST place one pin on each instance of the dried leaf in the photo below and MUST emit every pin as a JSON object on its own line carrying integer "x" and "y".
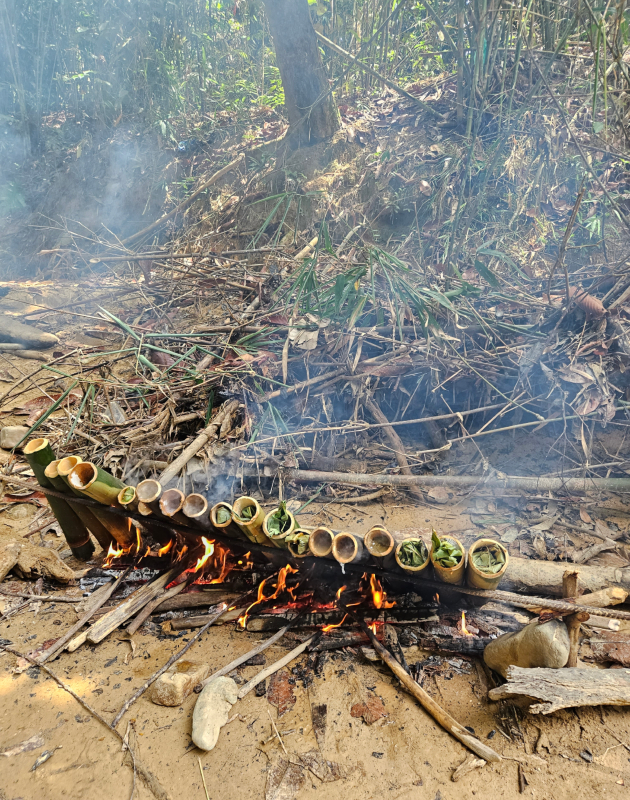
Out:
{"x": 585, "y": 516}
{"x": 370, "y": 711}
{"x": 280, "y": 692}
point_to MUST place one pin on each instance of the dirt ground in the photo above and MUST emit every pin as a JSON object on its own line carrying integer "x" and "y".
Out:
{"x": 403, "y": 755}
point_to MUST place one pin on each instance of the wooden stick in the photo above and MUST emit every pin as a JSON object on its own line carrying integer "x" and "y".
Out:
{"x": 265, "y": 673}
{"x": 99, "y": 598}
{"x": 573, "y": 621}
{"x": 150, "y": 607}
{"x": 128, "y": 703}
{"x": 449, "y": 723}
{"x": 200, "y": 621}
{"x": 200, "y": 441}
{"x": 241, "y": 659}
{"x": 185, "y": 203}
{"x": 44, "y": 597}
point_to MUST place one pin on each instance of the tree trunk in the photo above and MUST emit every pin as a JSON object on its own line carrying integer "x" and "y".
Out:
{"x": 310, "y": 108}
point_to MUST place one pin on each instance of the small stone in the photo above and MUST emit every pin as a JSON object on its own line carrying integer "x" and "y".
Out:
{"x": 212, "y": 711}
{"x": 174, "y": 686}
{"x": 12, "y": 435}
{"x": 533, "y": 646}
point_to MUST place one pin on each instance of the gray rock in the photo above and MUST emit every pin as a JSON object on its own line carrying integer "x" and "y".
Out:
{"x": 533, "y": 646}
{"x": 11, "y": 435}
{"x": 212, "y": 711}
{"x": 174, "y": 686}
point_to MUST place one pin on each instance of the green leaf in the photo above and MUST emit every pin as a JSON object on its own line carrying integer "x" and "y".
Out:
{"x": 279, "y": 522}
{"x": 223, "y": 515}
{"x": 486, "y": 273}
{"x": 489, "y": 558}
{"x": 502, "y": 257}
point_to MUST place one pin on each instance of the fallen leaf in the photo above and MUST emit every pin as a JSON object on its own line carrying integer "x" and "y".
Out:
{"x": 280, "y": 692}
{"x": 585, "y": 516}
{"x": 439, "y": 495}
{"x": 371, "y": 710}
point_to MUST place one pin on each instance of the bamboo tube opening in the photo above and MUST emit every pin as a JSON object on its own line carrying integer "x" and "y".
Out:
{"x": 379, "y": 542}
{"x": 127, "y": 496}
{"x": 345, "y": 547}
{"x": 195, "y": 505}
{"x": 321, "y": 542}
{"x": 67, "y": 464}
{"x": 171, "y": 502}
{"x": 148, "y": 491}
{"x": 293, "y": 545}
{"x": 34, "y": 446}
{"x": 144, "y": 510}
{"x": 52, "y": 470}
{"x": 83, "y": 476}
{"x": 214, "y": 512}
{"x": 241, "y": 504}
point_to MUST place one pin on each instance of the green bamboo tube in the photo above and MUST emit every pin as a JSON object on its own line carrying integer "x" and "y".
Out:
{"x": 92, "y": 523}
{"x": 347, "y": 548}
{"x": 83, "y": 472}
{"x": 252, "y": 528}
{"x": 320, "y": 542}
{"x": 477, "y": 578}
{"x": 293, "y": 544}
{"x": 196, "y": 509}
{"x": 454, "y": 574}
{"x": 39, "y": 454}
{"x": 278, "y": 540}
{"x": 96, "y": 483}
{"x": 424, "y": 550}
{"x": 228, "y": 528}
{"x": 127, "y": 498}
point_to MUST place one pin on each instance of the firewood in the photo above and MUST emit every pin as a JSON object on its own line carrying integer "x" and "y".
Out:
{"x": 565, "y": 688}
{"x": 200, "y": 621}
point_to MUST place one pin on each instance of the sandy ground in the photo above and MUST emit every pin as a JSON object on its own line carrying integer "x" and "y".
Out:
{"x": 403, "y": 755}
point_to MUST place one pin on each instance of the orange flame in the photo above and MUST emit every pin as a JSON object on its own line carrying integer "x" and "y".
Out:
{"x": 343, "y": 588}
{"x": 111, "y": 555}
{"x": 327, "y": 628}
{"x": 378, "y": 595}
{"x": 436, "y": 597}
{"x": 138, "y": 540}
{"x": 465, "y": 630}
{"x": 372, "y": 627}
{"x": 281, "y": 586}
{"x": 209, "y": 545}
{"x": 164, "y": 550}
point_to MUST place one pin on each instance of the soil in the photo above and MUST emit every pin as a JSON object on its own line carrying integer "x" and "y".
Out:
{"x": 402, "y": 755}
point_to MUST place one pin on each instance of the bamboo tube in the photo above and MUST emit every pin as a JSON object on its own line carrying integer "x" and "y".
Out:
{"x": 424, "y": 550}
{"x": 252, "y": 528}
{"x": 379, "y": 542}
{"x": 92, "y": 523}
{"x": 96, "y": 483}
{"x": 278, "y": 540}
{"x": 228, "y": 527}
{"x": 144, "y": 510}
{"x": 149, "y": 492}
{"x": 478, "y": 579}
{"x": 292, "y": 545}
{"x": 82, "y": 473}
{"x": 127, "y": 498}
{"x": 321, "y": 542}
{"x": 454, "y": 574}
{"x": 347, "y": 548}
{"x": 196, "y": 509}
{"x": 39, "y": 454}
{"x": 171, "y": 503}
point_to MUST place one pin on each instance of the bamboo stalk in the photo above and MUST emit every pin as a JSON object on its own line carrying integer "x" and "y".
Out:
{"x": 347, "y": 548}
{"x": 91, "y": 522}
{"x": 39, "y": 455}
{"x": 196, "y": 509}
{"x": 171, "y": 503}
{"x": 96, "y": 483}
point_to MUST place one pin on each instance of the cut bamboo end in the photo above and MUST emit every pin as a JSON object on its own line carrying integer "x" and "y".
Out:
{"x": 292, "y": 545}
{"x": 144, "y": 510}
{"x": 67, "y": 464}
{"x": 424, "y": 549}
{"x": 279, "y": 539}
{"x": 171, "y": 502}
{"x": 379, "y": 542}
{"x": 478, "y": 579}
{"x": 456, "y": 574}
{"x": 52, "y": 470}
{"x": 149, "y": 492}
{"x": 196, "y": 509}
{"x": 127, "y": 498}
{"x": 34, "y": 446}
{"x": 226, "y": 526}
{"x": 347, "y": 548}
{"x": 95, "y": 483}
{"x": 252, "y": 528}
{"x": 321, "y": 542}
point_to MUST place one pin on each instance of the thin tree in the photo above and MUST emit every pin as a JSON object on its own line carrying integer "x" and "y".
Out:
{"x": 309, "y": 104}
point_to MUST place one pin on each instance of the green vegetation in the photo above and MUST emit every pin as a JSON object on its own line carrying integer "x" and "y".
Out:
{"x": 444, "y": 552}
{"x": 413, "y": 553}
{"x": 279, "y": 522}
{"x": 489, "y": 559}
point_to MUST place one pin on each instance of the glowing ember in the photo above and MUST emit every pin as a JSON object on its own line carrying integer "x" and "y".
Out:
{"x": 111, "y": 555}
{"x": 138, "y": 540}
{"x": 372, "y": 627}
{"x": 465, "y": 630}
{"x": 327, "y": 628}
{"x": 436, "y": 597}
{"x": 166, "y": 549}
